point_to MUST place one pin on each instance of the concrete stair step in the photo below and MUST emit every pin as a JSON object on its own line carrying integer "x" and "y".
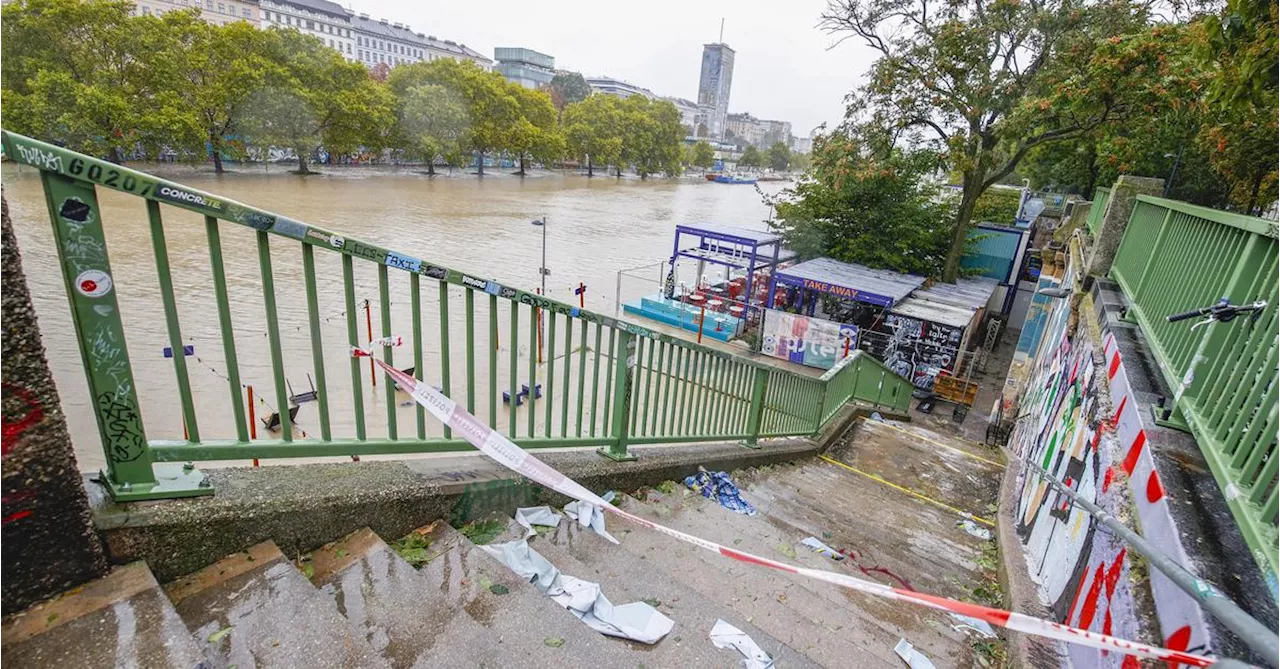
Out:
{"x": 627, "y": 576}
{"x": 121, "y": 619}
{"x": 255, "y": 609}
{"x": 826, "y": 623}
{"x": 484, "y": 615}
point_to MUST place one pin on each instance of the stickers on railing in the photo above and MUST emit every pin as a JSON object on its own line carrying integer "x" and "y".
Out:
{"x": 93, "y": 283}
{"x": 506, "y": 453}
{"x": 367, "y": 351}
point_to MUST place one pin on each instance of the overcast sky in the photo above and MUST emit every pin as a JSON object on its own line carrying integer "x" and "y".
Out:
{"x": 783, "y": 69}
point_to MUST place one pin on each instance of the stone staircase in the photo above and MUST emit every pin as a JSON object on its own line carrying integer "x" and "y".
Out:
{"x": 356, "y": 602}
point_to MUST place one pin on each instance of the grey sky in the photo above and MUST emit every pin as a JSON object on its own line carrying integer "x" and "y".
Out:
{"x": 783, "y": 69}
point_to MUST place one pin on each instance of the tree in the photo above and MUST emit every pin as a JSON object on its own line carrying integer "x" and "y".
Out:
{"x": 214, "y": 70}
{"x": 535, "y": 132}
{"x": 433, "y": 122}
{"x": 86, "y": 74}
{"x": 861, "y": 206}
{"x": 998, "y": 205}
{"x": 321, "y": 100}
{"x": 800, "y": 162}
{"x": 992, "y": 80}
{"x": 567, "y": 88}
{"x": 592, "y": 129}
{"x": 651, "y": 136}
{"x": 703, "y": 155}
{"x": 492, "y": 106}
{"x": 750, "y": 157}
{"x": 779, "y": 156}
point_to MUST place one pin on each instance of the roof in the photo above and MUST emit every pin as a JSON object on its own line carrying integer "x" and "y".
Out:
{"x": 993, "y": 250}
{"x": 746, "y": 235}
{"x": 948, "y": 304}
{"x": 319, "y": 6}
{"x": 453, "y": 47}
{"x": 874, "y": 286}
{"x": 401, "y": 33}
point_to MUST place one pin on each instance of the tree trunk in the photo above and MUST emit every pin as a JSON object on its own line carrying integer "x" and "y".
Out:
{"x": 215, "y": 146}
{"x": 431, "y": 166}
{"x": 960, "y": 232}
{"x": 1253, "y": 194}
{"x": 302, "y": 163}
{"x": 590, "y": 169}
{"x": 618, "y": 171}
{"x": 480, "y": 162}
{"x": 521, "y": 172}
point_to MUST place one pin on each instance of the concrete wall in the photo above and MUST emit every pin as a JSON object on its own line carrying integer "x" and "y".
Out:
{"x": 50, "y": 543}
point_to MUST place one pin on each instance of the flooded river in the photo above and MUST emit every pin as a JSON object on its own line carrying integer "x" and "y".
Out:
{"x": 595, "y": 227}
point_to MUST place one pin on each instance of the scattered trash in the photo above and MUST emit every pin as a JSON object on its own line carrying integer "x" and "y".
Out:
{"x": 979, "y": 626}
{"x": 637, "y": 621}
{"x": 718, "y": 486}
{"x": 536, "y": 515}
{"x": 875, "y": 415}
{"x": 815, "y": 544}
{"x": 554, "y": 641}
{"x": 914, "y": 658}
{"x": 591, "y": 516}
{"x": 499, "y": 589}
{"x": 973, "y": 529}
{"x": 218, "y": 636}
{"x": 724, "y": 635}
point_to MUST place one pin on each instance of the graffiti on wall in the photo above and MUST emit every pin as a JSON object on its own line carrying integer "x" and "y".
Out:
{"x": 915, "y": 349}
{"x": 808, "y": 341}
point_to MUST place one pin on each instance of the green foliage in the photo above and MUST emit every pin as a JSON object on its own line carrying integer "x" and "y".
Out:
{"x": 998, "y": 205}
{"x": 593, "y": 129}
{"x": 987, "y": 84}
{"x": 703, "y": 155}
{"x": 534, "y": 132}
{"x": 567, "y": 88}
{"x": 481, "y": 532}
{"x": 750, "y": 157}
{"x": 879, "y": 211}
{"x": 779, "y": 156}
{"x": 433, "y": 122}
{"x": 414, "y": 549}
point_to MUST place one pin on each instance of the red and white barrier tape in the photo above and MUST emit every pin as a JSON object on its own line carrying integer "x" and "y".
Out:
{"x": 516, "y": 459}
{"x": 367, "y": 351}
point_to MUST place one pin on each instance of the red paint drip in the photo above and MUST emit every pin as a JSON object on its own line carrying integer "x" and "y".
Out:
{"x": 1131, "y": 460}
{"x": 1115, "y": 420}
{"x": 15, "y": 516}
{"x": 1090, "y": 607}
{"x": 1108, "y": 478}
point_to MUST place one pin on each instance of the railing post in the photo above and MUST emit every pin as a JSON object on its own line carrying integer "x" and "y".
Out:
{"x": 623, "y": 380}
{"x": 759, "y": 382}
{"x": 95, "y": 315}
{"x": 1152, "y": 254}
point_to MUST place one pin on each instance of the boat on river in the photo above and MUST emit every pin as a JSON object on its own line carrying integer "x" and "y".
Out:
{"x": 734, "y": 179}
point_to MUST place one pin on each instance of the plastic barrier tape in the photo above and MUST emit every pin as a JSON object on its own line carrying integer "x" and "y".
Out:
{"x": 516, "y": 459}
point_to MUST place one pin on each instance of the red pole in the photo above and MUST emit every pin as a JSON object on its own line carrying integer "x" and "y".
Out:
{"x": 368, "y": 324}
{"x": 582, "y": 295}
{"x": 702, "y": 319}
{"x": 537, "y": 312}
{"x": 253, "y": 421}
{"x": 846, "y": 347}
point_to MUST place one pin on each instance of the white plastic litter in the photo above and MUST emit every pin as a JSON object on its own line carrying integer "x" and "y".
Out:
{"x": 973, "y": 529}
{"x": 817, "y": 545}
{"x": 724, "y": 635}
{"x": 979, "y": 626}
{"x": 636, "y": 621}
{"x": 536, "y": 515}
{"x": 589, "y": 515}
{"x": 914, "y": 658}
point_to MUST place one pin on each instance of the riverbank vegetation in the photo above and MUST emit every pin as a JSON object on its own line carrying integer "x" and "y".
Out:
{"x": 89, "y": 75}
{"x": 1067, "y": 94}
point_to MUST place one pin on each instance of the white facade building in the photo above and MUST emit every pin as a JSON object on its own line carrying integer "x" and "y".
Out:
{"x": 383, "y": 42}
{"x": 617, "y": 87}
{"x": 320, "y": 18}
{"x": 217, "y": 12}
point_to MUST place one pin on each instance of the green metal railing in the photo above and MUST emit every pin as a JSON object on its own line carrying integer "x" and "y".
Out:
{"x": 1101, "y": 195}
{"x": 1175, "y": 257}
{"x": 606, "y": 383}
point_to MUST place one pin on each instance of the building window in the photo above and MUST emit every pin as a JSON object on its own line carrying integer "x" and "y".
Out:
{"x": 245, "y": 12}
{"x": 330, "y": 44}
{"x": 311, "y": 25}
{"x": 208, "y": 4}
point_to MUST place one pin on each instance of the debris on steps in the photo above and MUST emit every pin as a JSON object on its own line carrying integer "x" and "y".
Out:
{"x": 256, "y": 609}
{"x": 121, "y": 619}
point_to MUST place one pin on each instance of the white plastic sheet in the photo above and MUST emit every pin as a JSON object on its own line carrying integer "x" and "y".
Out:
{"x": 724, "y": 635}
{"x": 589, "y": 515}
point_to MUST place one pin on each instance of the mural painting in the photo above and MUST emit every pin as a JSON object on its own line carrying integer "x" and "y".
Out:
{"x": 914, "y": 349}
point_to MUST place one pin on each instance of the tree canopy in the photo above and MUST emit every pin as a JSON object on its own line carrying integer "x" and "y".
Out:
{"x": 750, "y": 157}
